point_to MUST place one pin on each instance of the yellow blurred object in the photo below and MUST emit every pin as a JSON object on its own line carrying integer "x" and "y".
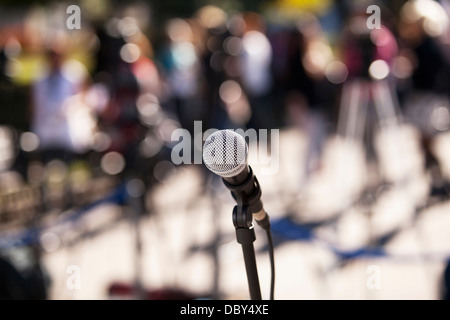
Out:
{"x": 315, "y": 6}
{"x": 27, "y": 68}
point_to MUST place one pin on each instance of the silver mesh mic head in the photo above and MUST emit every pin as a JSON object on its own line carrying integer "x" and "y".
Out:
{"x": 225, "y": 153}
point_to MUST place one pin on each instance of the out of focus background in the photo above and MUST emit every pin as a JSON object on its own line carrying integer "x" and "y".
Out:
{"x": 92, "y": 205}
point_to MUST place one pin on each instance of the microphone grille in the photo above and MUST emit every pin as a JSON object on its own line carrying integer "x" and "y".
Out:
{"x": 225, "y": 153}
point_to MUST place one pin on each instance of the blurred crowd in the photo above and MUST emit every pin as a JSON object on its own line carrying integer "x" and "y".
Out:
{"x": 108, "y": 96}
{"x": 122, "y": 83}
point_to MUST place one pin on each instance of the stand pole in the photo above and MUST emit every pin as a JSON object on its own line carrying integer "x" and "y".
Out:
{"x": 248, "y": 203}
{"x": 246, "y": 237}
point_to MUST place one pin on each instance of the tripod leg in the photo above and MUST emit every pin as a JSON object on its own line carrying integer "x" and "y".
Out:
{"x": 385, "y": 103}
{"x": 352, "y": 111}
{"x": 389, "y": 137}
{"x": 344, "y": 109}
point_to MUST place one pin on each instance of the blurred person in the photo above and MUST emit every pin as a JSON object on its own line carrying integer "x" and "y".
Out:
{"x": 316, "y": 59}
{"x": 181, "y": 62}
{"x": 419, "y": 36}
{"x": 287, "y": 69}
{"x": 425, "y": 73}
{"x": 50, "y": 113}
{"x": 119, "y": 117}
{"x": 138, "y": 53}
{"x": 2, "y": 62}
{"x": 213, "y": 23}
{"x": 303, "y": 95}
{"x": 129, "y": 74}
{"x": 256, "y": 78}
{"x": 144, "y": 67}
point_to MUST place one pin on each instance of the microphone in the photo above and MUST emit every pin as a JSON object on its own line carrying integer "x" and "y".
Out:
{"x": 225, "y": 153}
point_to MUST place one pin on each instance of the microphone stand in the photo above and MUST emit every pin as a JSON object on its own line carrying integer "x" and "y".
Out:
{"x": 243, "y": 212}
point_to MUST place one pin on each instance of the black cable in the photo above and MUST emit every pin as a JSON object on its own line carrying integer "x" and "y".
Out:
{"x": 265, "y": 224}
{"x": 272, "y": 263}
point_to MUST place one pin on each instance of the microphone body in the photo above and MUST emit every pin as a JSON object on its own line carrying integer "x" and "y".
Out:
{"x": 246, "y": 185}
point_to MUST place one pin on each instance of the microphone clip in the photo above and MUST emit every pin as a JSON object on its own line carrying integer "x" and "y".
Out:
{"x": 247, "y": 204}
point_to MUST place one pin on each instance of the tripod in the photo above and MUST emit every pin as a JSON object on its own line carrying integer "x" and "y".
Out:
{"x": 367, "y": 105}
{"x": 356, "y": 98}
{"x": 358, "y": 95}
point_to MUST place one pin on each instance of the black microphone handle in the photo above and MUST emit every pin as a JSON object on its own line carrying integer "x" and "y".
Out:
{"x": 240, "y": 178}
{"x": 245, "y": 182}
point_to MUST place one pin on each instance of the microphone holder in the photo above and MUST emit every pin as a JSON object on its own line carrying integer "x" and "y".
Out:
{"x": 243, "y": 212}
